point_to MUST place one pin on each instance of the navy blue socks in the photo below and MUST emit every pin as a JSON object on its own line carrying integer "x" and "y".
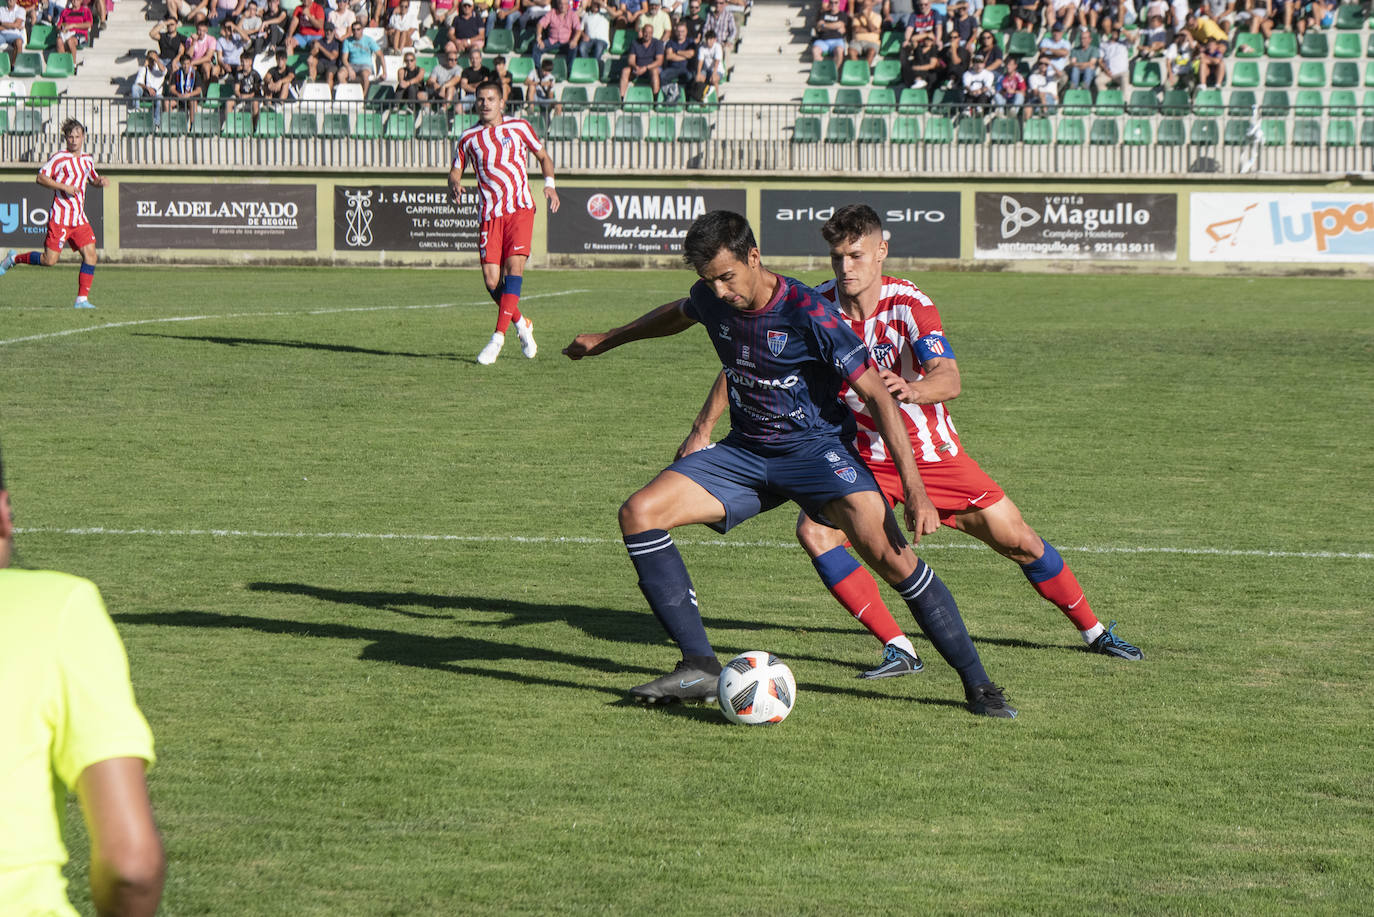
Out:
{"x": 938, "y": 616}
{"x": 664, "y": 581}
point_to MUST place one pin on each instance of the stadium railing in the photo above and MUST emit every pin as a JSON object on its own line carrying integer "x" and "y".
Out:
{"x": 719, "y": 139}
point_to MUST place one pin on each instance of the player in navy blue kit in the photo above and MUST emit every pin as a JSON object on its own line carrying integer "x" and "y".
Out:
{"x": 785, "y": 353}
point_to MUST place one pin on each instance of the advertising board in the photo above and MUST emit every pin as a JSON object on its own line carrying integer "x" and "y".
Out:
{"x": 917, "y": 224}
{"x": 1311, "y": 227}
{"x": 1114, "y": 226}
{"x": 24, "y": 214}
{"x": 411, "y": 218}
{"x": 608, "y": 219}
{"x": 216, "y": 216}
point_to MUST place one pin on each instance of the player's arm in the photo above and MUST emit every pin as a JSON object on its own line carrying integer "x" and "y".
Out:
{"x": 939, "y": 383}
{"x": 667, "y": 319}
{"x": 700, "y": 437}
{"x": 52, "y": 184}
{"x": 921, "y": 516}
{"x": 455, "y": 176}
{"x": 127, "y": 862}
{"x": 546, "y": 167}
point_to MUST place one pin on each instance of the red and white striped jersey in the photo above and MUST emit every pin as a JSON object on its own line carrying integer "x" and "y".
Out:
{"x": 497, "y": 155}
{"x": 75, "y": 169}
{"x": 905, "y": 316}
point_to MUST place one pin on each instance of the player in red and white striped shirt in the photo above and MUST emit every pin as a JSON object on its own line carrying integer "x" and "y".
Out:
{"x": 67, "y": 173}
{"x": 496, "y": 147}
{"x": 905, "y": 337}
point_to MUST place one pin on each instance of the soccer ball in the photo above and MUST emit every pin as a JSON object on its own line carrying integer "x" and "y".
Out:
{"x": 755, "y": 688}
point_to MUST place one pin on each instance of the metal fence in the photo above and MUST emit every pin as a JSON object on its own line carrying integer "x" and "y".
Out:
{"x": 733, "y": 139}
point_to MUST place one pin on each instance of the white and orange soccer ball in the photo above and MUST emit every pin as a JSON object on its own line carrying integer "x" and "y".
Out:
{"x": 755, "y": 688}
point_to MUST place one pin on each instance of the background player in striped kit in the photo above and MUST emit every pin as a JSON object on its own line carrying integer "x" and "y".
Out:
{"x": 67, "y": 173}
{"x": 903, "y": 331}
{"x": 496, "y": 148}
{"x": 785, "y": 354}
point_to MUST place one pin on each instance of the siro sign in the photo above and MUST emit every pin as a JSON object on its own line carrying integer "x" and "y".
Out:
{"x": 638, "y": 221}
{"x": 216, "y": 216}
{"x": 24, "y": 213}
{"x": 1282, "y": 227}
{"x": 916, "y": 224}
{"x": 1106, "y": 226}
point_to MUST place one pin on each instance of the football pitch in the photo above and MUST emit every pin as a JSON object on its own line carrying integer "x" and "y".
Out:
{"x": 382, "y": 624}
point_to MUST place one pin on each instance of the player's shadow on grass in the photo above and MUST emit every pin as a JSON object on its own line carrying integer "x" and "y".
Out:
{"x": 299, "y": 345}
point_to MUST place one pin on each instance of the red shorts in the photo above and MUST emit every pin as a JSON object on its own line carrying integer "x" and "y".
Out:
{"x": 954, "y": 485}
{"x": 505, "y": 236}
{"x": 77, "y": 237}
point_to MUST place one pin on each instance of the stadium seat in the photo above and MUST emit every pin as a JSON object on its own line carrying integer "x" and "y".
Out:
{"x": 995, "y": 16}
{"x": 1237, "y": 132}
{"x": 27, "y": 122}
{"x": 873, "y": 129}
{"x": 1281, "y": 45}
{"x": 304, "y": 126}
{"x": 847, "y": 102}
{"x": 1274, "y": 131}
{"x": 939, "y": 130}
{"x": 1278, "y": 74}
{"x": 140, "y": 124}
{"x": 502, "y": 41}
{"x": 1308, "y": 104}
{"x": 1206, "y": 103}
{"x": 43, "y": 37}
{"x": 1245, "y": 74}
{"x": 912, "y": 102}
{"x": 27, "y": 64}
{"x": 695, "y": 129}
{"x": 563, "y": 127}
{"x": 1104, "y": 133}
{"x": 840, "y": 129}
{"x": 11, "y": 91}
{"x": 1137, "y": 132}
{"x": 1314, "y": 45}
{"x": 1368, "y": 78}
{"x": 1347, "y": 45}
{"x": 433, "y": 126}
{"x": 585, "y": 71}
{"x": 1110, "y": 102}
{"x": 271, "y": 125}
{"x": 1349, "y": 17}
{"x": 59, "y": 66}
{"x": 315, "y": 92}
{"x": 638, "y": 99}
{"x": 1367, "y": 103}
{"x": 1369, "y": 49}
{"x": 1077, "y": 102}
{"x": 972, "y": 131}
{"x": 596, "y": 127}
{"x": 1340, "y": 103}
{"x": 891, "y": 44}
{"x": 348, "y": 92}
{"x": 461, "y": 122}
{"x": 855, "y": 73}
{"x": 1145, "y": 74}
{"x": 887, "y": 73}
{"x": 629, "y": 127}
{"x": 620, "y": 42}
{"x": 1275, "y": 103}
{"x": 606, "y": 98}
{"x": 1022, "y": 44}
{"x": 1171, "y": 132}
{"x": 815, "y": 101}
{"x": 806, "y": 129}
{"x": 880, "y": 102}
{"x": 574, "y": 98}
{"x": 1175, "y": 102}
{"x": 1005, "y": 131}
{"x": 4, "y": 119}
{"x": 1205, "y": 132}
{"x": 1240, "y": 102}
{"x": 1037, "y": 131}
{"x": 174, "y": 124}
{"x": 1143, "y": 102}
{"x": 1345, "y": 74}
{"x": 1071, "y": 132}
{"x": 379, "y": 94}
{"x": 1307, "y": 132}
{"x": 1340, "y": 133}
{"x": 336, "y": 126}
{"x": 368, "y": 126}
{"x": 205, "y": 123}
{"x": 4, "y": 65}
{"x": 1367, "y": 133}
{"x": 1312, "y": 74}
{"x": 906, "y": 129}
{"x": 709, "y": 104}
{"x": 560, "y": 68}
{"x": 1249, "y": 44}
{"x": 237, "y": 124}
{"x": 662, "y": 129}
{"x": 944, "y": 102}
{"x": 426, "y": 63}
{"x": 822, "y": 73}
{"x": 43, "y": 93}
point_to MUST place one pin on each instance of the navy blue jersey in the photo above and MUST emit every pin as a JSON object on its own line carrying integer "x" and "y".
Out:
{"x": 784, "y": 364}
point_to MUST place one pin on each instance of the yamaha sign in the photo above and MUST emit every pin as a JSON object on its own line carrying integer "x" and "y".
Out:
{"x": 1114, "y": 227}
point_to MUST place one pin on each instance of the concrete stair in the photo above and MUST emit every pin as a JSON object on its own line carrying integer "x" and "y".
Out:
{"x": 773, "y": 60}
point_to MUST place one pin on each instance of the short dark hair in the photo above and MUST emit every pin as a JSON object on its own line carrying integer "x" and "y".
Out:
{"x": 490, "y": 84}
{"x": 70, "y": 125}
{"x": 852, "y": 221}
{"x": 716, "y": 231}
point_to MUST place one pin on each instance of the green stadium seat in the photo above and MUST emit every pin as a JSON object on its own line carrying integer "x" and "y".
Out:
{"x": 271, "y": 125}
{"x": 1071, "y": 132}
{"x": 1249, "y": 44}
{"x": 335, "y": 126}
{"x": 4, "y": 119}
{"x": 59, "y": 66}
{"x": 304, "y": 126}
{"x": 1347, "y": 45}
{"x": 995, "y": 16}
{"x": 1368, "y": 77}
{"x": 1307, "y": 132}
{"x": 574, "y": 98}
{"x": 912, "y": 102}
{"x": 1345, "y": 74}
{"x": 1204, "y": 132}
{"x": 972, "y": 131}
{"x": 840, "y": 129}
{"x": 1237, "y": 132}
{"x": 662, "y": 129}
{"x": 1004, "y": 131}
{"x": 596, "y": 126}
{"x": 1367, "y": 103}
{"x": 174, "y": 124}
{"x": 873, "y": 129}
{"x": 880, "y": 102}
{"x": 944, "y": 102}
{"x": 822, "y": 73}
{"x": 1275, "y": 103}
{"x": 907, "y": 129}
{"x": 1143, "y": 102}
{"x": 1281, "y": 45}
{"x": 1308, "y": 104}
{"x": 563, "y": 127}
{"x": 1037, "y": 131}
{"x": 1367, "y": 133}
{"x": 4, "y": 66}
{"x": 461, "y": 122}
{"x": 426, "y": 63}
{"x": 847, "y": 102}
{"x": 1104, "y": 133}
{"x": 939, "y": 130}
{"x": 27, "y": 64}
{"x": 27, "y": 122}
{"x": 584, "y": 72}
{"x": 1312, "y": 74}
{"x": 1146, "y": 74}
{"x": 560, "y": 68}
{"x": 1278, "y": 74}
{"x": 1349, "y": 17}
{"x": 1314, "y": 45}
{"x": 815, "y": 101}
{"x": 1137, "y": 132}
{"x": 1275, "y": 132}
{"x": 629, "y": 127}
{"x": 519, "y": 68}
{"x": 806, "y": 129}
{"x": 620, "y": 42}
{"x": 1023, "y": 45}
{"x": 709, "y": 104}
{"x": 1110, "y": 102}
{"x": 501, "y": 41}
{"x": 1206, "y": 103}
{"x": 1241, "y": 102}
{"x": 638, "y": 99}
{"x": 606, "y": 98}
{"x": 1340, "y": 133}
{"x": 368, "y": 126}
{"x": 1340, "y": 103}
{"x": 43, "y": 93}
{"x": 214, "y": 96}
{"x": 1369, "y": 49}
{"x": 140, "y": 123}
{"x": 43, "y": 37}
{"x": 433, "y": 126}
{"x": 1171, "y": 132}
{"x": 1077, "y": 102}
{"x": 1245, "y": 74}
{"x": 237, "y": 124}
{"x": 695, "y": 129}
{"x": 1175, "y": 102}
{"x": 891, "y": 44}
{"x": 887, "y": 73}
{"x": 855, "y": 73}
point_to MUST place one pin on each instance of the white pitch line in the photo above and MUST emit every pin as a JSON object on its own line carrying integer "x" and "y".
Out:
{"x": 198, "y": 318}
{"x": 715, "y": 542}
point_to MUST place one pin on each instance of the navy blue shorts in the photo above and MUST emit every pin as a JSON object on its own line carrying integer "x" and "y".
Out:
{"x": 747, "y": 483}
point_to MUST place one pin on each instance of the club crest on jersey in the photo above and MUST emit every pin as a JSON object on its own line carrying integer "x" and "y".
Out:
{"x": 882, "y": 354}
{"x": 935, "y": 344}
{"x": 847, "y": 474}
{"x": 777, "y": 340}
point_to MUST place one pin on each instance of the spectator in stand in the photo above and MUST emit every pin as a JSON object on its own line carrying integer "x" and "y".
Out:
{"x": 275, "y": 22}
{"x": 722, "y": 22}
{"x": 531, "y": 11}
{"x": 505, "y": 14}
{"x": 326, "y": 57}
{"x": 169, "y": 41}
{"x": 203, "y": 51}
{"x": 410, "y": 81}
{"x": 1212, "y": 64}
{"x": 957, "y": 60}
{"x": 362, "y": 59}
{"x": 625, "y": 13}
{"x": 1114, "y": 60}
{"x": 279, "y": 82}
{"x": 1154, "y": 39}
{"x": 696, "y": 22}
{"x": 13, "y": 29}
{"x": 192, "y": 11}
{"x": 1319, "y": 14}
{"x": 979, "y": 85}
{"x": 925, "y": 19}
{"x": 987, "y": 46}
{"x": 1011, "y": 88}
{"x": 1204, "y": 29}
{"x": 147, "y": 84}
{"x": 541, "y": 89}
{"x": 1064, "y": 13}
{"x": 1025, "y": 14}
{"x": 1223, "y": 12}
{"x": 1083, "y": 61}
{"x": 559, "y": 32}
{"x": 710, "y": 66}
{"x": 897, "y": 15}
{"x": 250, "y": 24}
{"x": 74, "y": 27}
{"x": 231, "y": 43}
{"x": 403, "y": 27}
{"x": 245, "y": 88}
{"x": 341, "y": 17}
{"x": 1253, "y": 16}
{"x": 643, "y": 61}
{"x": 596, "y": 30}
{"x": 679, "y": 59}
{"x": 1043, "y": 88}
{"x": 1055, "y": 50}
{"x": 220, "y": 10}
{"x": 472, "y": 76}
{"x": 1180, "y": 65}
{"x": 185, "y": 86}
{"x": 865, "y": 30}
{"x": 467, "y": 29}
{"x": 445, "y": 77}
{"x": 922, "y": 65}
{"x": 307, "y": 25}
{"x": 655, "y": 16}
{"x": 960, "y": 27}
{"x": 829, "y": 33}
{"x": 511, "y": 94}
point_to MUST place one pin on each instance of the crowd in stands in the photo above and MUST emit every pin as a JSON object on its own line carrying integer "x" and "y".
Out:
{"x": 68, "y": 24}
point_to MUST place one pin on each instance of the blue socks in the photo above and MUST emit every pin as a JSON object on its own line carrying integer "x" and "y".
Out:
{"x": 834, "y": 565}
{"x": 664, "y": 581}
{"x": 512, "y": 285}
{"x": 938, "y": 616}
{"x": 1048, "y": 566}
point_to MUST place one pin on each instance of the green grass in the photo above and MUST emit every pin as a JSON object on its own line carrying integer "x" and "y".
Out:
{"x": 352, "y": 725}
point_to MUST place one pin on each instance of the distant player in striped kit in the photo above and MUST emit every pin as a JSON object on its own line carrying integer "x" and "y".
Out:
{"x": 903, "y": 331}
{"x": 496, "y": 147}
{"x": 67, "y": 173}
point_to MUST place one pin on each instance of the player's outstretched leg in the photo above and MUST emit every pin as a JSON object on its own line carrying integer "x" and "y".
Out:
{"x": 668, "y": 588}
{"x": 7, "y": 262}
{"x": 1055, "y": 582}
{"x": 13, "y": 258}
{"x": 855, "y": 589}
